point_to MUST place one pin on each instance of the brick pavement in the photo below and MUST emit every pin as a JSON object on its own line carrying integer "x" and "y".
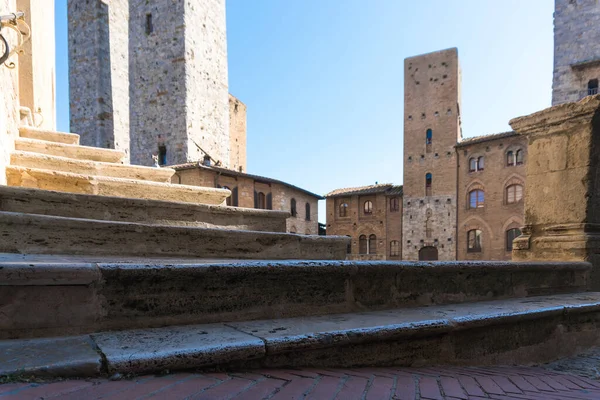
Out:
{"x": 346, "y": 384}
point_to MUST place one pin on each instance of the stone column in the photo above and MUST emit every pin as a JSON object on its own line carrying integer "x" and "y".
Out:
{"x": 37, "y": 63}
{"x": 562, "y": 190}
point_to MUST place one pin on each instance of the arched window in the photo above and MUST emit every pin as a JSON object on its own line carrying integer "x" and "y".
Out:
{"x": 480, "y": 163}
{"x": 343, "y": 212}
{"x": 293, "y": 210}
{"x": 519, "y": 157}
{"x": 474, "y": 241}
{"x": 511, "y": 234}
{"x": 362, "y": 244}
{"x": 307, "y": 207}
{"x": 394, "y": 204}
{"x": 428, "y": 136}
{"x": 476, "y": 198}
{"x": 262, "y": 201}
{"x": 394, "y": 248}
{"x": 372, "y": 244}
{"x": 514, "y": 194}
{"x": 592, "y": 87}
{"x": 349, "y": 246}
{"x": 428, "y": 180}
{"x": 510, "y": 159}
{"x": 368, "y": 207}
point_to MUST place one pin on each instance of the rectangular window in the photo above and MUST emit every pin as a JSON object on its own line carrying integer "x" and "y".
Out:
{"x": 162, "y": 155}
{"x": 149, "y": 25}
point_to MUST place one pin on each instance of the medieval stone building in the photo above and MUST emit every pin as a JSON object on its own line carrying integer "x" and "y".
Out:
{"x": 150, "y": 79}
{"x": 371, "y": 216}
{"x": 576, "y": 50}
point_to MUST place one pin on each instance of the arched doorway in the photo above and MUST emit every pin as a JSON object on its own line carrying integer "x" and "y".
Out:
{"x": 428, "y": 253}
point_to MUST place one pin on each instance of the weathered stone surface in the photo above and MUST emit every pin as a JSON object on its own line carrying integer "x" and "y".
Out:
{"x": 176, "y": 347}
{"x": 562, "y": 205}
{"x": 150, "y": 292}
{"x": 508, "y": 331}
{"x": 108, "y": 186}
{"x": 25, "y": 273}
{"x": 40, "y": 234}
{"x": 69, "y": 150}
{"x": 26, "y": 159}
{"x": 69, "y": 356}
{"x": 35, "y": 201}
{"x": 30, "y": 132}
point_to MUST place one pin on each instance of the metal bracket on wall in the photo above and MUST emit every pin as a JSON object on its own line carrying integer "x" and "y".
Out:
{"x": 16, "y": 22}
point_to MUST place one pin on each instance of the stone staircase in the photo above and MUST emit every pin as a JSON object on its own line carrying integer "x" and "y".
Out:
{"x": 91, "y": 315}
{"x": 92, "y": 203}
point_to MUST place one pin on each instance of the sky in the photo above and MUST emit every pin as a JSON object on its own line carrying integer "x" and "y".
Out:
{"x": 323, "y": 79}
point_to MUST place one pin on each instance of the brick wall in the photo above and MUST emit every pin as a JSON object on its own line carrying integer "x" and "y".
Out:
{"x": 497, "y": 215}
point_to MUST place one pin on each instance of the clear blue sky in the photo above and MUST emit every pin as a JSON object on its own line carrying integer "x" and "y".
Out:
{"x": 323, "y": 79}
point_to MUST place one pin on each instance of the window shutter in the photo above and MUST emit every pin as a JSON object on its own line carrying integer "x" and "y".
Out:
{"x": 234, "y": 196}
{"x": 255, "y": 199}
{"x": 269, "y": 201}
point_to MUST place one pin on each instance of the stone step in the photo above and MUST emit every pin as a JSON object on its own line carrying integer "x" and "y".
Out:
{"x": 86, "y": 167}
{"x": 30, "y": 132}
{"x": 108, "y": 186}
{"x": 41, "y": 234}
{"x": 45, "y": 202}
{"x": 52, "y": 295}
{"x": 505, "y": 332}
{"x": 69, "y": 150}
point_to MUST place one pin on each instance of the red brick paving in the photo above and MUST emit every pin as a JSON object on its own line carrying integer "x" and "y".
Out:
{"x": 454, "y": 383}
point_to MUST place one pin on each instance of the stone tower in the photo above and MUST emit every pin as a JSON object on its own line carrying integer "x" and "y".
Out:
{"x": 576, "y": 50}
{"x": 151, "y": 77}
{"x": 431, "y": 130}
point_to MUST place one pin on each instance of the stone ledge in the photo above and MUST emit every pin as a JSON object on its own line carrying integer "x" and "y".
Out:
{"x": 132, "y": 295}
{"x": 69, "y": 150}
{"x": 30, "y": 132}
{"x": 62, "y": 204}
{"x": 520, "y": 331}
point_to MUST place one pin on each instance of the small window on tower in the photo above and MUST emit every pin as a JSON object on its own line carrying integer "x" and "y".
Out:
{"x": 149, "y": 25}
{"x": 593, "y": 87}
{"x": 162, "y": 155}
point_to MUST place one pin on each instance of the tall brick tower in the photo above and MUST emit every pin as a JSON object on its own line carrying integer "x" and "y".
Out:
{"x": 161, "y": 63}
{"x": 431, "y": 129}
{"x": 576, "y": 50}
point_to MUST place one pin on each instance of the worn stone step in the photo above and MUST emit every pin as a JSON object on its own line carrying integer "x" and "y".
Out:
{"x": 108, "y": 186}
{"x": 115, "y": 291}
{"x": 69, "y": 150}
{"x": 45, "y": 202}
{"x": 85, "y": 167}
{"x": 512, "y": 331}
{"x": 30, "y": 132}
{"x": 41, "y": 234}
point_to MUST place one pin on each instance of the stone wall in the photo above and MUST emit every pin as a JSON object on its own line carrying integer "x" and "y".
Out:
{"x": 431, "y": 102}
{"x": 99, "y": 72}
{"x": 37, "y": 64}
{"x": 497, "y": 215}
{"x": 246, "y": 185}
{"x": 237, "y": 134}
{"x": 206, "y": 81}
{"x": 576, "y": 48}
{"x": 9, "y": 100}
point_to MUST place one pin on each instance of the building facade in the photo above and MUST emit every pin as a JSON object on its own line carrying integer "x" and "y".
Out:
{"x": 150, "y": 78}
{"x": 491, "y": 181}
{"x": 371, "y": 216}
{"x": 431, "y": 130}
{"x": 576, "y": 50}
{"x": 252, "y": 191}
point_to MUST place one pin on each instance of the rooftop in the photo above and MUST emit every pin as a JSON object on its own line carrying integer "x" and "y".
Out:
{"x": 388, "y": 189}
{"x": 485, "y": 138}
{"x": 230, "y": 172}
